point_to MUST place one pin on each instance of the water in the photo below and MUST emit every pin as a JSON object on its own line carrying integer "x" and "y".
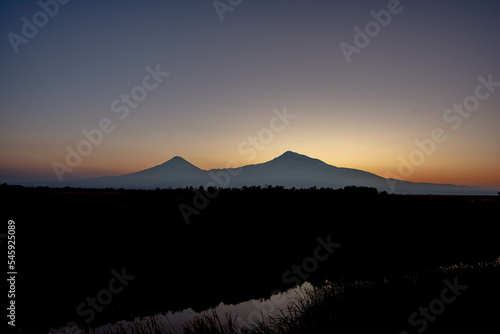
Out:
{"x": 247, "y": 313}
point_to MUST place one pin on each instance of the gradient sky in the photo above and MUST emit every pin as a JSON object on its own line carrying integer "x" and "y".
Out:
{"x": 226, "y": 77}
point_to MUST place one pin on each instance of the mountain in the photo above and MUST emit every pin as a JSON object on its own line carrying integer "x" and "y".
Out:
{"x": 288, "y": 170}
{"x": 297, "y": 170}
{"x": 175, "y": 173}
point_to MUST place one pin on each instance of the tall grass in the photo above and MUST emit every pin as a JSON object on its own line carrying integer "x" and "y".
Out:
{"x": 210, "y": 323}
{"x": 325, "y": 309}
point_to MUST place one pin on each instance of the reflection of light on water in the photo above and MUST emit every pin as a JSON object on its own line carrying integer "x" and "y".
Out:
{"x": 248, "y": 313}
{"x": 253, "y": 311}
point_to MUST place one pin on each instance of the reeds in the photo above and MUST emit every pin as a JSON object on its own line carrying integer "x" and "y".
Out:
{"x": 311, "y": 310}
{"x": 210, "y": 323}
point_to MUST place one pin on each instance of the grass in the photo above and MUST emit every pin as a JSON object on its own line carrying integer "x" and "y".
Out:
{"x": 330, "y": 308}
{"x": 334, "y": 308}
{"x": 210, "y": 323}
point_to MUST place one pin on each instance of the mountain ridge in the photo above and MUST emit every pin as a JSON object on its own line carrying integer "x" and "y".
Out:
{"x": 289, "y": 169}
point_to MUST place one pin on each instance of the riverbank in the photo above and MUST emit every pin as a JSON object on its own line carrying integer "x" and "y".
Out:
{"x": 444, "y": 300}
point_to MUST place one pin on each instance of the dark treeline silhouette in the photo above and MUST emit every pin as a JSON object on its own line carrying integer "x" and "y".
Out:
{"x": 234, "y": 249}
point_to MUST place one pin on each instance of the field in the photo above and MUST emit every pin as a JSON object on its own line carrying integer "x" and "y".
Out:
{"x": 97, "y": 256}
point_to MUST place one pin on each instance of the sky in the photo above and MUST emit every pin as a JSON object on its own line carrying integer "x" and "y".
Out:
{"x": 370, "y": 85}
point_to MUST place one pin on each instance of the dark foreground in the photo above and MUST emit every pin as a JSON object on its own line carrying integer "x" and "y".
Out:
{"x": 98, "y": 256}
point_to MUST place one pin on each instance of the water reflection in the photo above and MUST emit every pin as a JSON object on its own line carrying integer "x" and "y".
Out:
{"x": 247, "y": 314}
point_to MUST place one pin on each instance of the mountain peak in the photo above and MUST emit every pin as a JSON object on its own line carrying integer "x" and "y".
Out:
{"x": 291, "y": 159}
{"x": 175, "y": 164}
{"x": 177, "y": 158}
{"x": 291, "y": 154}
{"x": 178, "y": 161}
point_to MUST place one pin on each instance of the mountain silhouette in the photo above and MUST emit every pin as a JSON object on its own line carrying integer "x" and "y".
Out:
{"x": 288, "y": 170}
{"x": 296, "y": 170}
{"x": 176, "y": 172}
